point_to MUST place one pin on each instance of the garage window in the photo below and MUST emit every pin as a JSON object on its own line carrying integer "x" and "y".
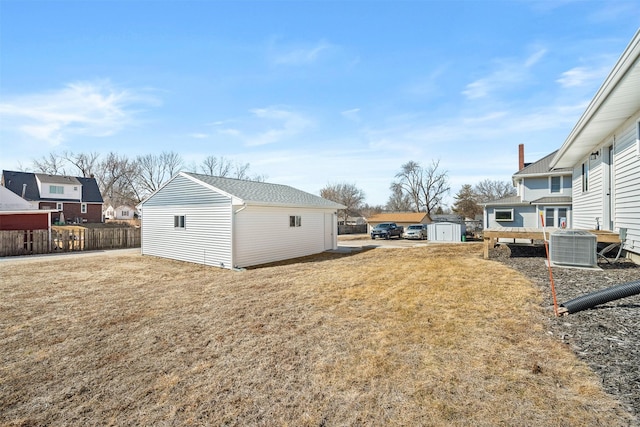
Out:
{"x": 295, "y": 221}
{"x": 504, "y": 214}
{"x": 178, "y": 221}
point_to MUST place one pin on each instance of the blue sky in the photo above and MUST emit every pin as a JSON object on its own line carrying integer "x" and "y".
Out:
{"x": 308, "y": 92}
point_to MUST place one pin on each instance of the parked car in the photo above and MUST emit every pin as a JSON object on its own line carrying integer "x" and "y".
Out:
{"x": 416, "y": 231}
{"x": 387, "y": 230}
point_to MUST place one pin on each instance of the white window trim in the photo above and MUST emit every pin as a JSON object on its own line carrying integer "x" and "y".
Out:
{"x": 296, "y": 219}
{"x": 510, "y": 211}
{"x": 83, "y": 208}
{"x": 561, "y": 183}
{"x": 59, "y": 206}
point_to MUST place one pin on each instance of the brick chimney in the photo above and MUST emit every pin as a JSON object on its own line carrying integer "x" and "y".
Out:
{"x": 520, "y": 157}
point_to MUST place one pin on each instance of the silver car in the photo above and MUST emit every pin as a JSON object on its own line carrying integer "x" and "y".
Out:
{"x": 415, "y": 231}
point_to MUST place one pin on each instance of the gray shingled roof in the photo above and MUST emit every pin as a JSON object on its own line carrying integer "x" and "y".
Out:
{"x": 565, "y": 200}
{"x": 511, "y": 200}
{"x": 542, "y": 166}
{"x": 263, "y": 193}
{"x": 14, "y": 181}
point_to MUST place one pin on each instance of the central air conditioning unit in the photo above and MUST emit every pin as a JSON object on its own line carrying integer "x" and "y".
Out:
{"x": 573, "y": 247}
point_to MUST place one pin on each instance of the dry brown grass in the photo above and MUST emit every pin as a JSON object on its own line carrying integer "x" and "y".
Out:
{"x": 423, "y": 336}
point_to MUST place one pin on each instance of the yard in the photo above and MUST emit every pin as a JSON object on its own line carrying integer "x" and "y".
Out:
{"x": 431, "y": 335}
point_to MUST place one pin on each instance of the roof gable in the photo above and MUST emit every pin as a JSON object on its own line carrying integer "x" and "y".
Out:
{"x": 262, "y": 193}
{"x": 542, "y": 167}
{"x": 18, "y": 182}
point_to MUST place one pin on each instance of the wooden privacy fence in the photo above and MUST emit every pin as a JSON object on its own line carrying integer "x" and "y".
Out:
{"x": 30, "y": 242}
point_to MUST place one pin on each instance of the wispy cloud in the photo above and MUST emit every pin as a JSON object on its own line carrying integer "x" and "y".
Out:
{"x": 199, "y": 135}
{"x": 508, "y": 73}
{"x": 298, "y": 55}
{"x": 85, "y": 108}
{"x": 581, "y": 76}
{"x": 269, "y": 125}
{"x": 352, "y": 114}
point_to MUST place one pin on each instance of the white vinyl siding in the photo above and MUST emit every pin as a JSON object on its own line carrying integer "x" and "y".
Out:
{"x": 206, "y": 237}
{"x": 588, "y": 205}
{"x": 263, "y": 234}
{"x": 627, "y": 187}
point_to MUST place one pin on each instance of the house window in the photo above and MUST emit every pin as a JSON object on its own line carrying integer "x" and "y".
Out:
{"x": 59, "y": 206}
{"x": 178, "y": 221}
{"x": 555, "y": 184}
{"x": 124, "y": 213}
{"x": 56, "y": 189}
{"x": 549, "y": 217}
{"x": 585, "y": 176}
{"x": 504, "y": 214}
{"x": 83, "y": 208}
{"x": 295, "y": 221}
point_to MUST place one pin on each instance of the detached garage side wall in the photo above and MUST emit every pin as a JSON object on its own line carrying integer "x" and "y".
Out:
{"x": 263, "y": 234}
{"x": 205, "y": 237}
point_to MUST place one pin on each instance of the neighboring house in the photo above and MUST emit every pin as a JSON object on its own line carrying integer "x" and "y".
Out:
{"x": 404, "y": 219}
{"x": 233, "y": 223}
{"x": 603, "y": 153}
{"x": 109, "y": 212}
{"x": 18, "y": 214}
{"x": 77, "y": 198}
{"x": 122, "y": 212}
{"x": 542, "y": 190}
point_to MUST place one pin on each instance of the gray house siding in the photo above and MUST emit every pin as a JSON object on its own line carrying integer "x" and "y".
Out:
{"x": 627, "y": 185}
{"x": 523, "y": 216}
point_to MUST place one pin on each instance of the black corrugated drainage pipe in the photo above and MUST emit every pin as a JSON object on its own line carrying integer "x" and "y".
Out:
{"x": 600, "y": 297}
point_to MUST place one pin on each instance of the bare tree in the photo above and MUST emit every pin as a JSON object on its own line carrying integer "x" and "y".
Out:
{"x": 399, "y": 201}
{"x": 215, "y": 166}
{"x": 435, "y": 185}
{"x": 116, "y": 178}
{"x": 346, "y": 194}
{"x": 219, "y": 166}
{"x": 53, "y": 164}
{"x": 425, "y": 187}
{"x": 410, "y": 183}
{"x": 86, "y": 163}
{"x": 488, "y": 190}
{"x": 154, "y": 170}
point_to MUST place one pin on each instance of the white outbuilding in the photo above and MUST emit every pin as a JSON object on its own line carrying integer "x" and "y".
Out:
{"x": 445, "y": 231}
{"x": 232, "y": 223}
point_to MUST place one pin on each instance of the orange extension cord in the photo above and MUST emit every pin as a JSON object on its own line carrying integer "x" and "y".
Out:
{"x": 553, "y": 286}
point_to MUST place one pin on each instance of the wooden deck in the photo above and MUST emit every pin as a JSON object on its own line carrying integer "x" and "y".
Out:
{"x": 491, "y": 235}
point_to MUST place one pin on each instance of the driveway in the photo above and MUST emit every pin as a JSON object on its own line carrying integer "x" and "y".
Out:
{"x": 363, "y": 240}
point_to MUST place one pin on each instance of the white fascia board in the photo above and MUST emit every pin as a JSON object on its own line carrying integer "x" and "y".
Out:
{"x": 626, "y": 62}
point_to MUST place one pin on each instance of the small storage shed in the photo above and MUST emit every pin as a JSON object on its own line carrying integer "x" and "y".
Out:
{"x": 445, "y": 231}
{"x": 232, "y": 223}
